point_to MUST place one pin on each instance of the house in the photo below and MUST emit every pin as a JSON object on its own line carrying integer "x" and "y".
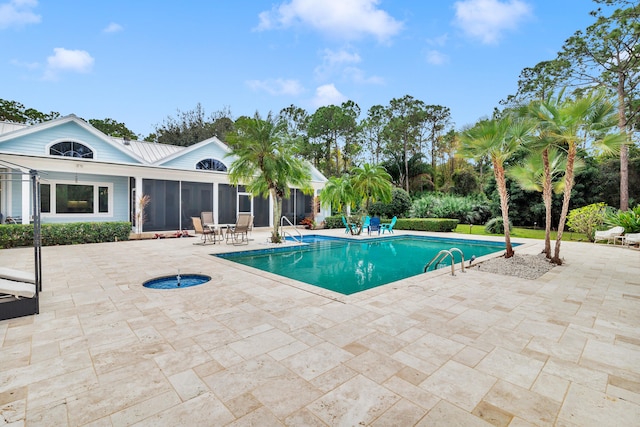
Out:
{"x": 87, "y": 176}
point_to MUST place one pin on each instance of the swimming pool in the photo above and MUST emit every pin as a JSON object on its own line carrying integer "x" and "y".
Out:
{"x": 348, "y": 265}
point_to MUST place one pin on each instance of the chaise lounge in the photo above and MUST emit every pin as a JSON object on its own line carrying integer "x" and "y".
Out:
{"x": 608, "y": 235}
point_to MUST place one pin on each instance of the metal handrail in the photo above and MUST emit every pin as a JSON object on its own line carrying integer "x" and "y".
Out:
{"x": 442, "y": 254}
{"x": 284, "y": 232}
{"x": 438, "y": 258}
{"x": 461, "y": 257}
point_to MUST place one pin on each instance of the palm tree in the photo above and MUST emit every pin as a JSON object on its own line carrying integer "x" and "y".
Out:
{"x": 569, "y": 123}
{"x": 338, "y": 192}
{"x": 266, "y": 162}
{"x": 371, "y": 183}
{"x": 540, "y": 171}
{"x": 498, "y": 139}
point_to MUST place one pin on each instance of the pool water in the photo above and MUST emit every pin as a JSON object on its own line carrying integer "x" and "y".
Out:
{"x": 348, "y": 266}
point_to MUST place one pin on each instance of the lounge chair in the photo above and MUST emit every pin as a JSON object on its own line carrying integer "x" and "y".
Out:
{"x": 374, "y": 225}
{"x": 632, "y": 239}
{"x": 207, "y": 218}
{"x": 238, "y": 233}
{"x": 389, "y": 227}
{"x": 608, "y": 235}
{"x": 349, "y": 227}
{"x": 208, "y": 235}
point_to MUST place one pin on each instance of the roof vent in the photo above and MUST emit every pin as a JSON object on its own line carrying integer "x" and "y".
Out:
{"x": 125, "y": 140}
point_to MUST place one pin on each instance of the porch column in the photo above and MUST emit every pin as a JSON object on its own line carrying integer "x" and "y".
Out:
{"x": 139, "y": 194}
{"x": 26, "y": 198}
{"x": 216, "y": 203}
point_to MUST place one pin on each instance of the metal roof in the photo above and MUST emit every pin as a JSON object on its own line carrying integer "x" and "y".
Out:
{"x": 6, "y": 127}
{"x": 149, "y": 151}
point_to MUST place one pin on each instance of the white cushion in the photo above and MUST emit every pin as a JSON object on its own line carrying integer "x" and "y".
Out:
{"x": 18, "y": 289}
{"x": 18, "y": 275}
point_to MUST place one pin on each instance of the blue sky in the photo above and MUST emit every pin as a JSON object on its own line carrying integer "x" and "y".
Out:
{"x": 138, "y": 62}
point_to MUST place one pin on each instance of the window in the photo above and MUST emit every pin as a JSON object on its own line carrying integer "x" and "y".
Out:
{"x": 72, "y": 199}
{"x": 71, "y": 149}
{"x": 211, "y": 165}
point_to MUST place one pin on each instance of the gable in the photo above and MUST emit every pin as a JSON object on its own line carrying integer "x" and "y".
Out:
{"x": 188, "y": 158}
{"x": 36, "y": 141}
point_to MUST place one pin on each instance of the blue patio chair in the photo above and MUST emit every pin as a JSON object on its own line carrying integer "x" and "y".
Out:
{"x": 365, "y": 223}
{"x": 374, "y": 224}
{"x": 389, "y": 227}
{"x": 349, "y": 227}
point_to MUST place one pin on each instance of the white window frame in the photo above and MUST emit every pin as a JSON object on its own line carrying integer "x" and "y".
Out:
{"x": 96, "y": 202}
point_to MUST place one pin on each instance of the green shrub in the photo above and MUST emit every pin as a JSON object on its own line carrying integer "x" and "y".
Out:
{"x": 587, "y": 219}
{"x": 398, "y": 207}
{"x": 19, "y": 235}
{"x": 496, "y": 226}
{"x": 629, "y": 220}
{"x": 416, "y": 224}
{"x": 426, "y": 224}
{"x": 469, "y": 209}
{"x": 333, "y": 222}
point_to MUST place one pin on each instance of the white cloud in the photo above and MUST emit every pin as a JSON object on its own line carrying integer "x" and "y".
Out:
{"x": 488, "y": 19}
{"x": 17, "y": 13}
{"x": 341, "y": 63}
{"x": 436, "y": 57}
{"x": 277, "y": 86}
{"x": 333, "y": 62}
{"x": 327, "y": 95}
{"x": 68, "y": 60}
{"x": 113, "y": 28}
{"x": 27, "y": 65}
{"x": 336, "y": 18}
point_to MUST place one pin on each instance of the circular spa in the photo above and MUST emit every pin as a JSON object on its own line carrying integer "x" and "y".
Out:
{"x": 176, "y": 282}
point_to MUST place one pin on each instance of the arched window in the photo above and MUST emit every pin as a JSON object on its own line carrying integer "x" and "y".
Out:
{"x": 71, "y": 149}
{"x": 211, "y": 165}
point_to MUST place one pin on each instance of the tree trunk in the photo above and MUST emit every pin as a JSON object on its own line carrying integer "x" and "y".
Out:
{"x": 547, "y": 199}
{"x": 406, "y": 164}
{"x": 568, "y": 186}
{"x": 624, "y": 150}
{"x": 277, "y": 212}
{"x": 504, "y": 206}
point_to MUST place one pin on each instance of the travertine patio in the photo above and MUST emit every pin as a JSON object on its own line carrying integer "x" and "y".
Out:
{"x": 250, "y": 348}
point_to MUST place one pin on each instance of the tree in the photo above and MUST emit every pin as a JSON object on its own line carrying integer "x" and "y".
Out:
{"x": 266, "y": 162}
{"x": 540, "y": 171}
{"x": 338, "y": 192}
{"x": 191, "y": 127}
{"x": 335, "y": 127}
{"x": 373, "y": 132}
{"x": 371, "y": 183}
{"x": 498, "y": 139}
{"x": 113, "y": 128}
{"x": 404, "y": 116}
{"x": 607, "y": 55}
{"x": 568, "y": 123}
{"x": 15, "y": 112}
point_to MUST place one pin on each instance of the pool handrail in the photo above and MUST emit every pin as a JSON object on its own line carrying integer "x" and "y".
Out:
{"x": 443, "y": 253}
{"x": 285, "y": 233}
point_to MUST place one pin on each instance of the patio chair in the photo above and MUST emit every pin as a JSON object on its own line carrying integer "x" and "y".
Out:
{"x": 389, "y": 227}
{"x": 239, "y": 233}
{"x": 207, "y": 218}
{"x": 366, "y": 220}
{"x": 632, "y": 239}
{"x": 374, "y": 224}
{"x": 608, "y": 235}
{"x": 349, "y": 227}
{"x": 208, "y": 235}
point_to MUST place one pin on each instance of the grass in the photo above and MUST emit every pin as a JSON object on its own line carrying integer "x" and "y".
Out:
{"x": 527, "y": 233}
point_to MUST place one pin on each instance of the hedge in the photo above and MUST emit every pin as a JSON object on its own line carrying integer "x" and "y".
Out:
{"x": 416, "y": 224}
{"x": 18, "y": 235}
